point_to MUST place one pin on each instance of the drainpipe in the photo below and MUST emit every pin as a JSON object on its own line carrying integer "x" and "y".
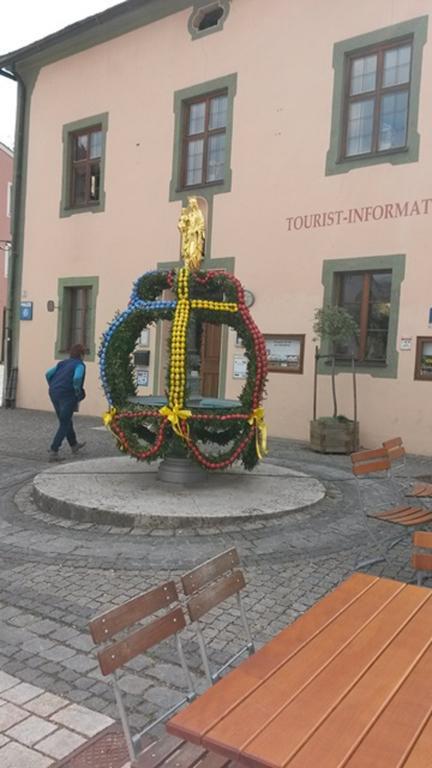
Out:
{"x": 11, "y": 347}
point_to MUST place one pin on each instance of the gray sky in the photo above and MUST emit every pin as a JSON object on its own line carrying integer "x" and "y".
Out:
{"x": 23, "y": 22}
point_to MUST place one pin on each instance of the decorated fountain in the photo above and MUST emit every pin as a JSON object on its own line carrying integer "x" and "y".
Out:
{"x": 206, "y": 447}
{"x": 213, "y": 435}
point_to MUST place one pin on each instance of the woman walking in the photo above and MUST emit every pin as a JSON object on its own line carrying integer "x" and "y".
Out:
{"x": 66, "y": 390}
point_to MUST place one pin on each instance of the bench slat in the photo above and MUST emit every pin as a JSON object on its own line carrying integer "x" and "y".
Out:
{"x": 208, "y": 598}
{"x": 198, "y": 577}
{"x": 119, "y": 653}
{"x": 106, "y": 625}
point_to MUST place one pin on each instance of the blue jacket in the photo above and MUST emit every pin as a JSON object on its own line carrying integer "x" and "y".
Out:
{"x": 66, "y": 379}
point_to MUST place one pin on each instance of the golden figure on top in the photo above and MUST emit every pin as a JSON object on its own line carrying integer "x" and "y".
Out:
{"x": 192, "y": 228}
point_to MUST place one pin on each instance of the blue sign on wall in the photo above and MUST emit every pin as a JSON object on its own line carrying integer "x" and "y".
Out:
{"x": 430, "y": 316}
{"x": 26, "y": 310}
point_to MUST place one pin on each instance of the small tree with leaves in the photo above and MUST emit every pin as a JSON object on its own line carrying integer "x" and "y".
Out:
{"x": 334, "y": 325}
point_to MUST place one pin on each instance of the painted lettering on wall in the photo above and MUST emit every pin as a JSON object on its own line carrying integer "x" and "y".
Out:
{"x": 362, "y": 215}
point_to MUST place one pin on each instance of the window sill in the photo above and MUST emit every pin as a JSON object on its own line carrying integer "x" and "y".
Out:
{"x": 373, "y": 156}
{"x": 90, "y": 208}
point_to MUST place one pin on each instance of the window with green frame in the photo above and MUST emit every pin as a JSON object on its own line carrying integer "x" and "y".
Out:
{"x": 77, "y": 311}
{"x": 376, "y": 97}
{"x": 202, "y": 138}
{"x": 369, "y": 289}
{"x": 84, "y": 165}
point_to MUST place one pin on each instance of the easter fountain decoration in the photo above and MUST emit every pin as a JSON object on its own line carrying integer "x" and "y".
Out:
{"x": 180, "y": 429}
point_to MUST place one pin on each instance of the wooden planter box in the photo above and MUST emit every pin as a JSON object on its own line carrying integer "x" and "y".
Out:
{"x": 334, "y": 436}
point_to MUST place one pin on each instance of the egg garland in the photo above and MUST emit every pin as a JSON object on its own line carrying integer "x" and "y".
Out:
{"x": 148, "y": 433}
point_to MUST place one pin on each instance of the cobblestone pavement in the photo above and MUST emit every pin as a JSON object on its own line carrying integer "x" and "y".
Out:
{"x": 56, "y": 574}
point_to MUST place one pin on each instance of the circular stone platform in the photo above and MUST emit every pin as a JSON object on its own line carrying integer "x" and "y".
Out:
{"x": 121, "y": 491}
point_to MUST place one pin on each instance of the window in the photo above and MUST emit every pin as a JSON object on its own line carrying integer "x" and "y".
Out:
{"x": 423, "y": 364}
{"x": 84, "y": 166}
{"x": 204, "y": 140}
{"x": 369, "y": 288}
{"x": 76, "y": 318}
{"x": 366, "y": 296}
{"x": 376, "y": 96}
{"x": 208, "y": 17}
{"x": 376, "y": 108}
{"x": 86, "y": 156}
{"x": 77, "y": 302}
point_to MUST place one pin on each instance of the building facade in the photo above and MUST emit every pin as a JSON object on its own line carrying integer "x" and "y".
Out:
{"x": 304, "y": 130}
{"x": 6, "y": 164}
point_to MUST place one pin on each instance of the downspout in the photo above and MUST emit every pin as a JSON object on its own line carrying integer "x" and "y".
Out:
{"x": 12, "y": 334}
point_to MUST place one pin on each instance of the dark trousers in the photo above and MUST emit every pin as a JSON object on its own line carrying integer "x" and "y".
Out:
{"x": 64, "y": 406}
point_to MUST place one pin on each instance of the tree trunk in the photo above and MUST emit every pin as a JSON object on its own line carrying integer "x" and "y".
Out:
{"x": 333, "y": 382}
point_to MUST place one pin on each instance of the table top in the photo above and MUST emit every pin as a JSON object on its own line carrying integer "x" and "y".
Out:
{"x": 347, "y": 685}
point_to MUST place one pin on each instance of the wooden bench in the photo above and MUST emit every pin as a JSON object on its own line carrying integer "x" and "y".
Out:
{"x": 120, "y": 641}
{"x": 396, "y": 452}
{"x": 377, "y": 463}
{"x": 206, "y": 587}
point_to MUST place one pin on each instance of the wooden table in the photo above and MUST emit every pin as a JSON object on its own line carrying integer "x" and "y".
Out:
{"x": 348, "y": 685}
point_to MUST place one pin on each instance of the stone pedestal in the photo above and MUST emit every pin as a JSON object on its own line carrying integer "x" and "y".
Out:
{"x": 181, "y": 471}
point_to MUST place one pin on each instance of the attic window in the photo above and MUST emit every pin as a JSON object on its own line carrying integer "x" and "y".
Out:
{"x": 209, "y": 18}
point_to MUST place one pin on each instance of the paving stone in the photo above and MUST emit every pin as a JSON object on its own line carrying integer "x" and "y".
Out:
{"x": 60, "y": 743}
{"x": 22, "y": 693}
{"x": 14, "y": 755}
{"x": 46, "y": 704}
{"x": 162, "y": 697}
{"x": 43, "y": 627}
{"x": 80, "y": 663}
{"x": 58, "y": 653}
{"x": 81, "y": 643}
{"x": 64, "y": 633}
{"x": 81, "y": 719}
{"x": 10, "y": 715}
{"x": 37, "y": 644}
{"x": 7, "y": 681}
{"x": 31, "y": 730}
{"x": 3, "y": 740}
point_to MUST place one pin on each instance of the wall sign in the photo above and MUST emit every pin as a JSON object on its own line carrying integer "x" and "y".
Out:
{"x": 405, "y": 343}
{"x": 361, "y": 215}
{"x": 240, "y": 367}
{"x": 26, "y": 310}
{"x": 430, "y": 317}
{"x": 142, "y": 377}
{"x": 285, "y": 352}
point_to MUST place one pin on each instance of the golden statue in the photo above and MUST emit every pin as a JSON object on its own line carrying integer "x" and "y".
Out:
{"x": 192, "y": 228}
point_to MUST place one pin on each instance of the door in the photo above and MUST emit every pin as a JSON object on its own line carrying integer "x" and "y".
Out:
{"x": 210, "y": 359}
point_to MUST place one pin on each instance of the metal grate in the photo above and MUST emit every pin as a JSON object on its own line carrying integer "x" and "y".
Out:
{"x": 105, "y": 750}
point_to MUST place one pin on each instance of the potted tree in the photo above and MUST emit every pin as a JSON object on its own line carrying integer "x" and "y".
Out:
{"x": 333, "y": 434}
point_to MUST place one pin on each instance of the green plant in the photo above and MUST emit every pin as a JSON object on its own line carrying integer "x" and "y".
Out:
{"x": 334, "y": 324}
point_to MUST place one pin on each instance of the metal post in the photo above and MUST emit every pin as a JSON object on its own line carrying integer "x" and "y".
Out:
{"x": 123, "y": 718}
{"x": 250, "y": 642}
{"x": 188, "y": 676}
{"x": 315, "y": 385}
{"x": 204, "y": 653}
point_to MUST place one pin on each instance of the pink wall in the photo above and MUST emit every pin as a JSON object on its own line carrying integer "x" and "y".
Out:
{"x": 282, "y": 118}
{"x": 6, "y": 164}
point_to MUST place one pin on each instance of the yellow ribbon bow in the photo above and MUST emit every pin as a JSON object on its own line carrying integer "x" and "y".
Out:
{"x": 174, "y": 415}
{"x": 257, "y": 418}
{"x": 108, "y": 417}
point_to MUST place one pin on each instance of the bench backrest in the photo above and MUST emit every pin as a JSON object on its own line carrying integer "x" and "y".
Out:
{"x": 369, "y": 462}
{"x": 121, "y": 641}
{"x": 395, "y": 449}
{"x": 211, "y": 583}
{"x": 208, "y": 585}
